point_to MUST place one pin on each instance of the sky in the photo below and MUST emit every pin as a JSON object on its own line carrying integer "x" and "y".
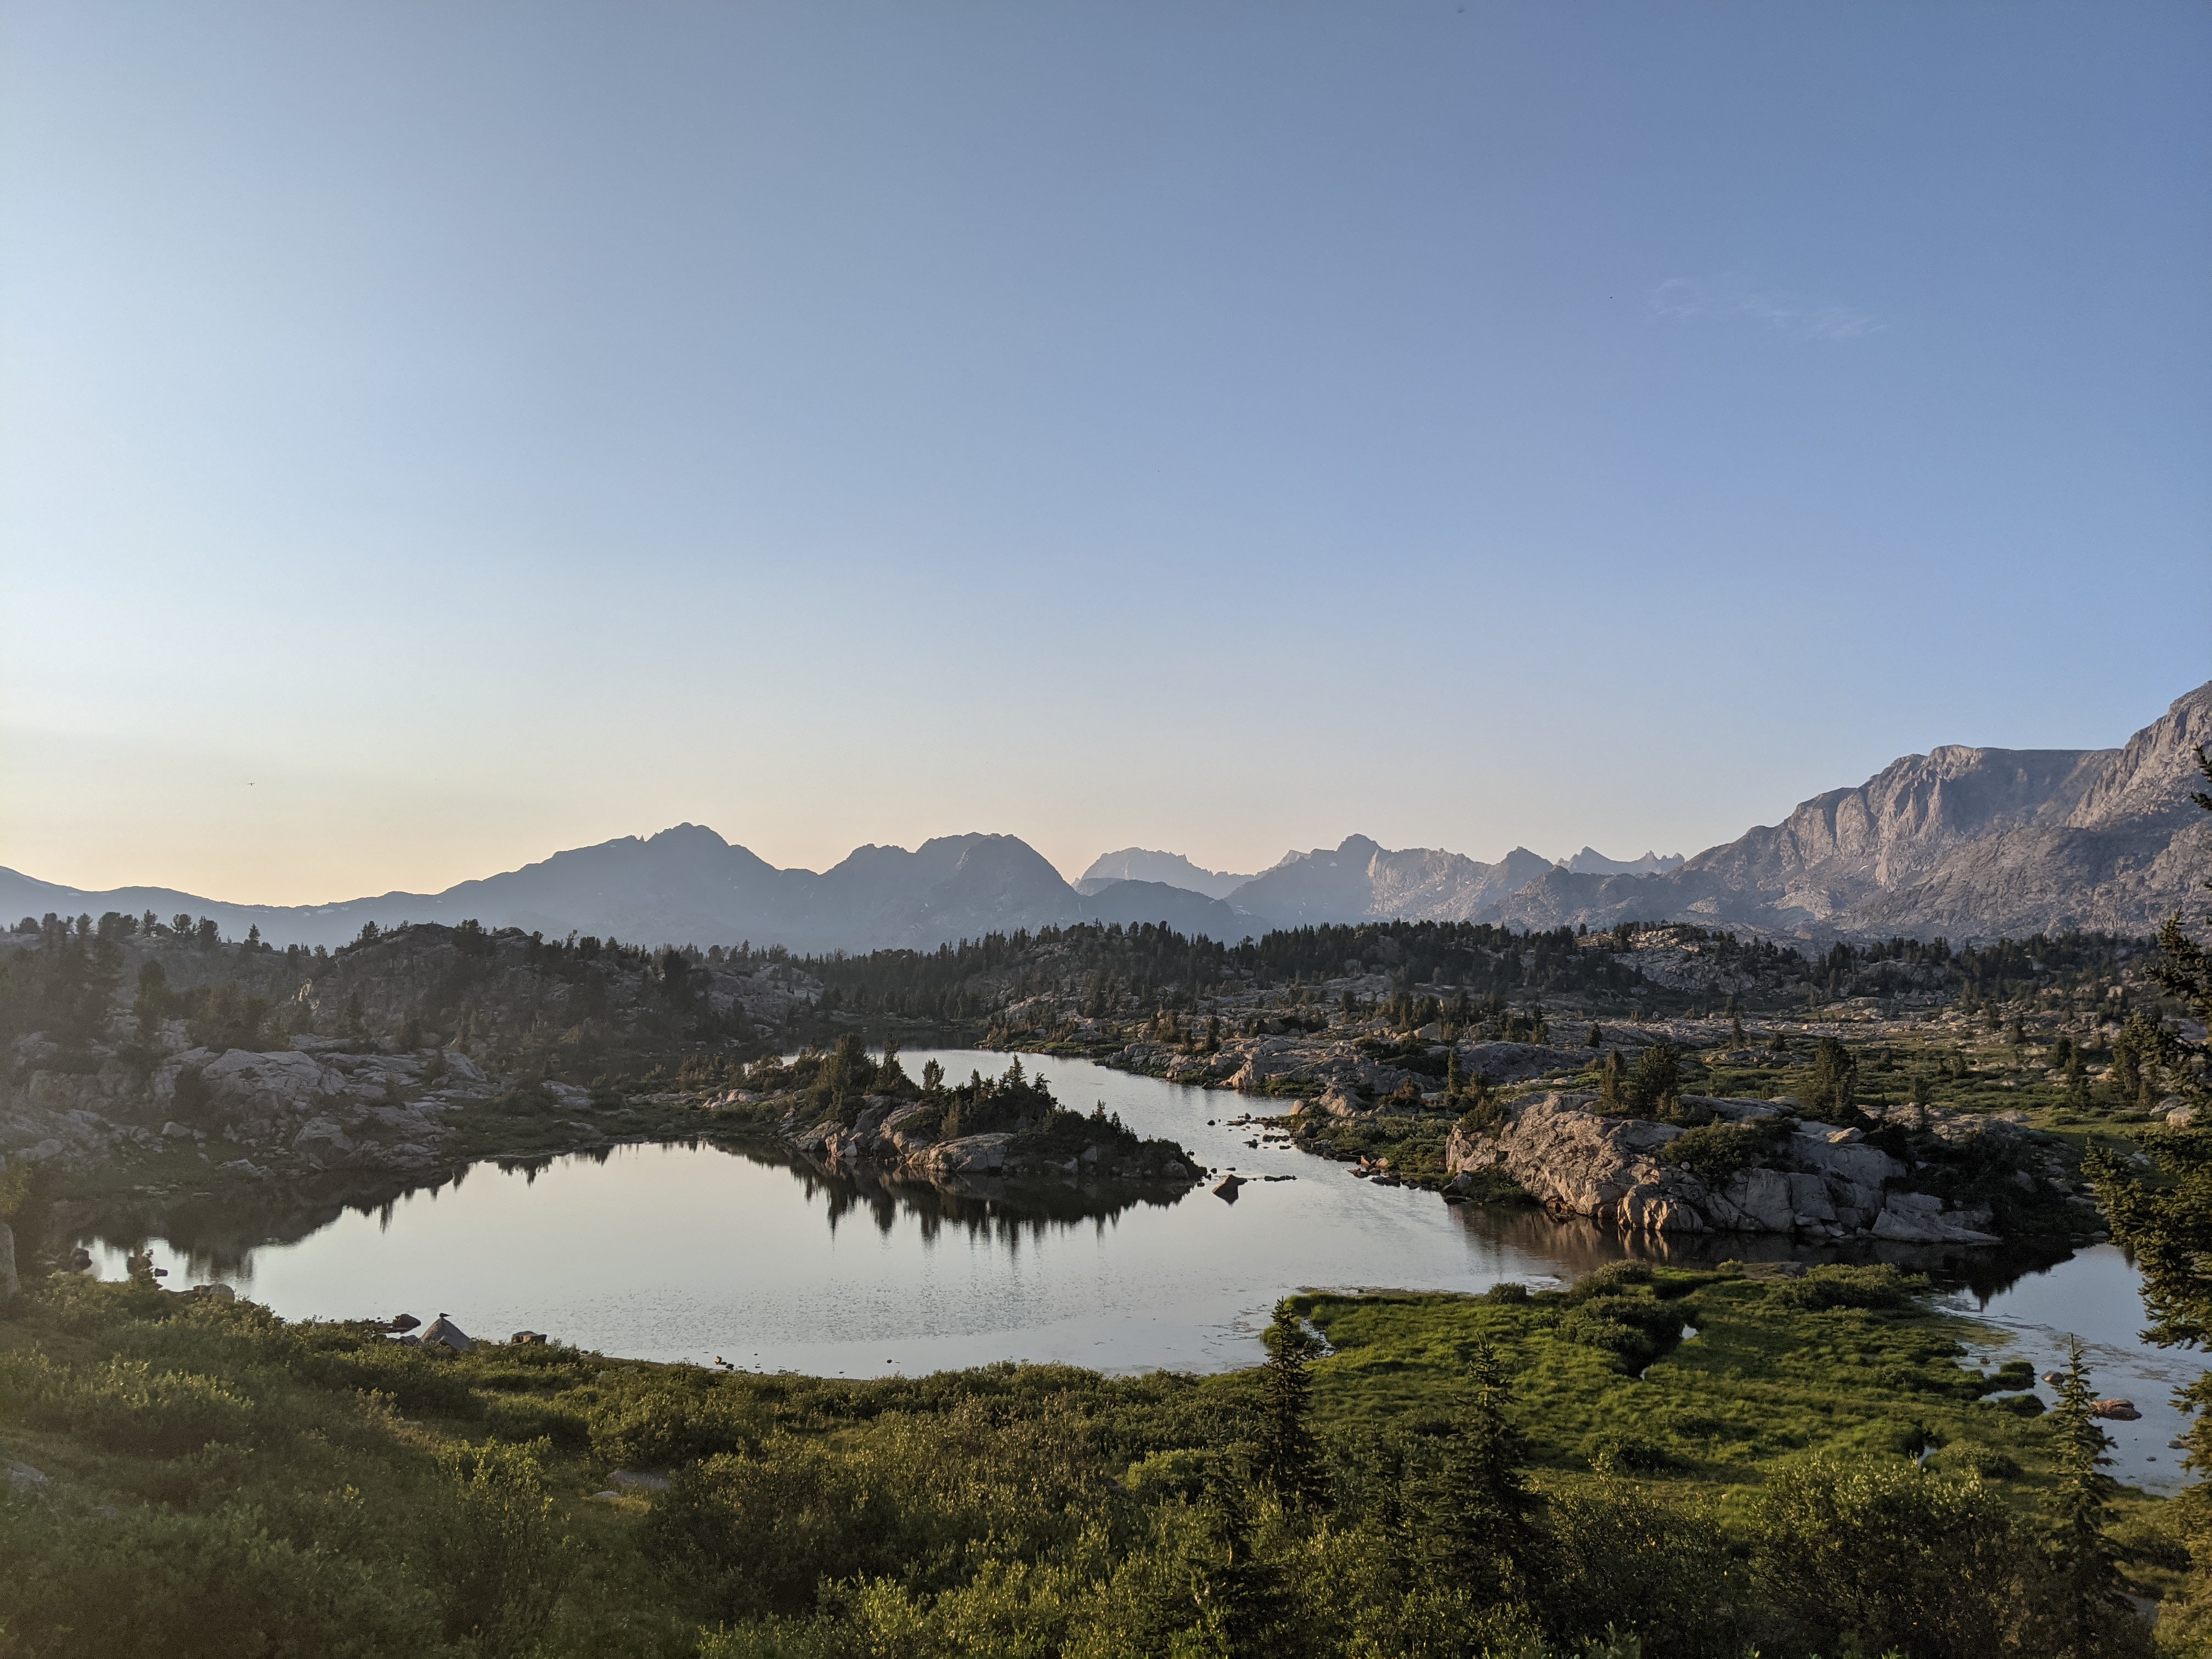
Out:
{"x": 432, "y": 435}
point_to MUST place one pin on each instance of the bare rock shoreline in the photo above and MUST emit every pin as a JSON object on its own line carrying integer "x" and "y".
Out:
{"x": 1819, "y": 1182}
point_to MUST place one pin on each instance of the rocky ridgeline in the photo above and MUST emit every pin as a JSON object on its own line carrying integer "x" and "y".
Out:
{"x": 295, "y": 1063}
{"x": 1813, "y": 1180}
{"x": 902, "y": 1139}
{"x": 1351, "y": 1081}
{"x": 317, "y": 1105}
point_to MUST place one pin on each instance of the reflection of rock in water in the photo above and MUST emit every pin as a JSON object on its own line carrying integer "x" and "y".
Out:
{"x": 1579, "y": 1245}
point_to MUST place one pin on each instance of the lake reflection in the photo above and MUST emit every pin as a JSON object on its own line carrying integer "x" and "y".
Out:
{"x": 695, "y": 1252}
{"x": 691, "y": 1252}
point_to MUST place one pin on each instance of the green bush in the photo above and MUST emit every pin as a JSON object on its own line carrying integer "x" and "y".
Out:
{"x": 1717, "y": 1152}
{"x": 125, "y": 1404}
{"x": 1630, "y": 1559}
{"x": 1634, "y": 1329}
{"x": 1629, "y": 1451}
{"x": 1973, "y": 1457}
{"x": 1893, "y": 1555}
{"x": 527, "y": 1417}
{"x": 1604, "y": 1281}
{"x": 660, "y": 1427}
{"x": 148, "y": 1584}
{"x": 1880, "y": 1286}
{"x": 757, "y": 1535}
{"x": 501, "y": 1561}
{"x": 418, "y": 1380}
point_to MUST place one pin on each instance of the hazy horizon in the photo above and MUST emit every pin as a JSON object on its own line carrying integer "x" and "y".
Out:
{"x": 432, "y": 437}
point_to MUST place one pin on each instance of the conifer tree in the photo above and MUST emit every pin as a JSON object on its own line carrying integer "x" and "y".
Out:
{"x": 1480, "y": 1511}
{"x": 2090, "y": 1614}
{"x": 1290, "y": 1459}
{"x": 2168, "y": 1227}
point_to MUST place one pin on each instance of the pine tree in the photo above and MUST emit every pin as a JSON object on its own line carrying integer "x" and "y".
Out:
{"x": 1290, "y": 1459}
{"x": 1610, "y": 1097}
{"x": 2090, "y": 1614}
{"x": 2168, "y": 1228}
{"x": 1478, "y": 1527}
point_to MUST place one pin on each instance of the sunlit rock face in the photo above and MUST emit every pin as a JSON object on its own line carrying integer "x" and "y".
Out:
{"x": 1820, "y": 1183}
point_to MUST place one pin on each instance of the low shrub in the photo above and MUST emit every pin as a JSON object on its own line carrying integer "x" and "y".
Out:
{"x": 660, "y": 1427}
{"x": 1629, "y": 1451}
{"x": 1634, "y": 1329}
{"x": 150, "y": 1584}
{"x": 1880, "y": 1286}
{"x": 1717, "y": 1152}
{"x": 1604, "y": 1281}
{"x": 126, "y": 1405}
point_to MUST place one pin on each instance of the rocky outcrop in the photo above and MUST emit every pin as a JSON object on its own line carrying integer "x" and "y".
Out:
{"x": 1968, "y": 843}
{"x": 1818, "y": 1181}
{"x": 895, "y": 1138}
{"x": 313, "y": 1107}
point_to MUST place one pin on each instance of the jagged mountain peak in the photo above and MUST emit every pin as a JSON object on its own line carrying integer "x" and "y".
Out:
{"x": 1143, "y": 864}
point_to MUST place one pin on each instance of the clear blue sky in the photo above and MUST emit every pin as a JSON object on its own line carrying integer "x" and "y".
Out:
{"x": 433, "y": 435}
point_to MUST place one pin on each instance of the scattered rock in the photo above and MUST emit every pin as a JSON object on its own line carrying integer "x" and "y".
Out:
{"x": 1227, "y": 1186}
{"x": 2120, "y": 1410}
{"x": 23, "y": 1477}
{"x": 441, "y": 1331}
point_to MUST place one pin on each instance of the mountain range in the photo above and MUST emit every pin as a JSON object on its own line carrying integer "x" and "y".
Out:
{"x": 1962, "y": 842}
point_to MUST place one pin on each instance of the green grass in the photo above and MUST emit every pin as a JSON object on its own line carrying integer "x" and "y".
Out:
{"x": 312, "y": 1463}
{"x": 1762, "y": 1380}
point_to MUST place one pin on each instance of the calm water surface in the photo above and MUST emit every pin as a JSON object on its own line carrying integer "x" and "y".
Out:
{"x": 696, "y": 1253}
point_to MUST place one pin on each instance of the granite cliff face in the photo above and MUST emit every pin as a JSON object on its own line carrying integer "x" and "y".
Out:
{"x": 1965, "y": 843}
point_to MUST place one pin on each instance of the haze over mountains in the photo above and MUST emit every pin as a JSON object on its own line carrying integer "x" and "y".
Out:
{"x": 1963, "y": 842}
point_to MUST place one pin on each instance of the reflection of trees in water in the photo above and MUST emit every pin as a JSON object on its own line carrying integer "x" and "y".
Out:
{"x": 217, "y": 1236}
{"x": 979, "y": 1208}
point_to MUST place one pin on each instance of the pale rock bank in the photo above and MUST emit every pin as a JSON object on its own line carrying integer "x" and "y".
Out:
{"x": 1820, "y": 1181}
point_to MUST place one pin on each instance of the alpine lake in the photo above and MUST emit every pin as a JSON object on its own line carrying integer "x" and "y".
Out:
{"x": 705, "y": 1253}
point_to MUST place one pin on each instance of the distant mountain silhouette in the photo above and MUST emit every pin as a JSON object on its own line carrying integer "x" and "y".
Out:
{"x": 1361, "y": 881}
{"x": 1591, "y": 862}
{"x": 688, "y": 885}
{"x": 1172, "y": 869}
{"x": 1969, "y": 843}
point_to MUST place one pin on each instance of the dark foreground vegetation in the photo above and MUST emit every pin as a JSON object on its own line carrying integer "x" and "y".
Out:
{"x": 1517, "y": 1475}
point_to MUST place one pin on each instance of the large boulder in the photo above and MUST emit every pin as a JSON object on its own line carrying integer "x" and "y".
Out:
{"x": 1822, "y": 1181}
{"x": 963, "y": 1155}
{"x": 1578, "y": 1162}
